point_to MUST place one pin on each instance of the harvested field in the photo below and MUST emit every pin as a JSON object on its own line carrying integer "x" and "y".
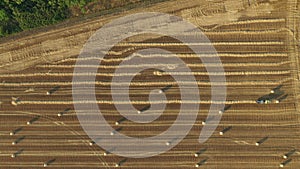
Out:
{"x": 257, "y": 42}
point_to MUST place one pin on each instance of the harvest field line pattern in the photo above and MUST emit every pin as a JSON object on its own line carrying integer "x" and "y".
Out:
{"x": 257, "y": 42}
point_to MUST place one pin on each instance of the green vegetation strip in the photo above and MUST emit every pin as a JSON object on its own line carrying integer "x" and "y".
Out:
{"x": 20, "y": 15}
